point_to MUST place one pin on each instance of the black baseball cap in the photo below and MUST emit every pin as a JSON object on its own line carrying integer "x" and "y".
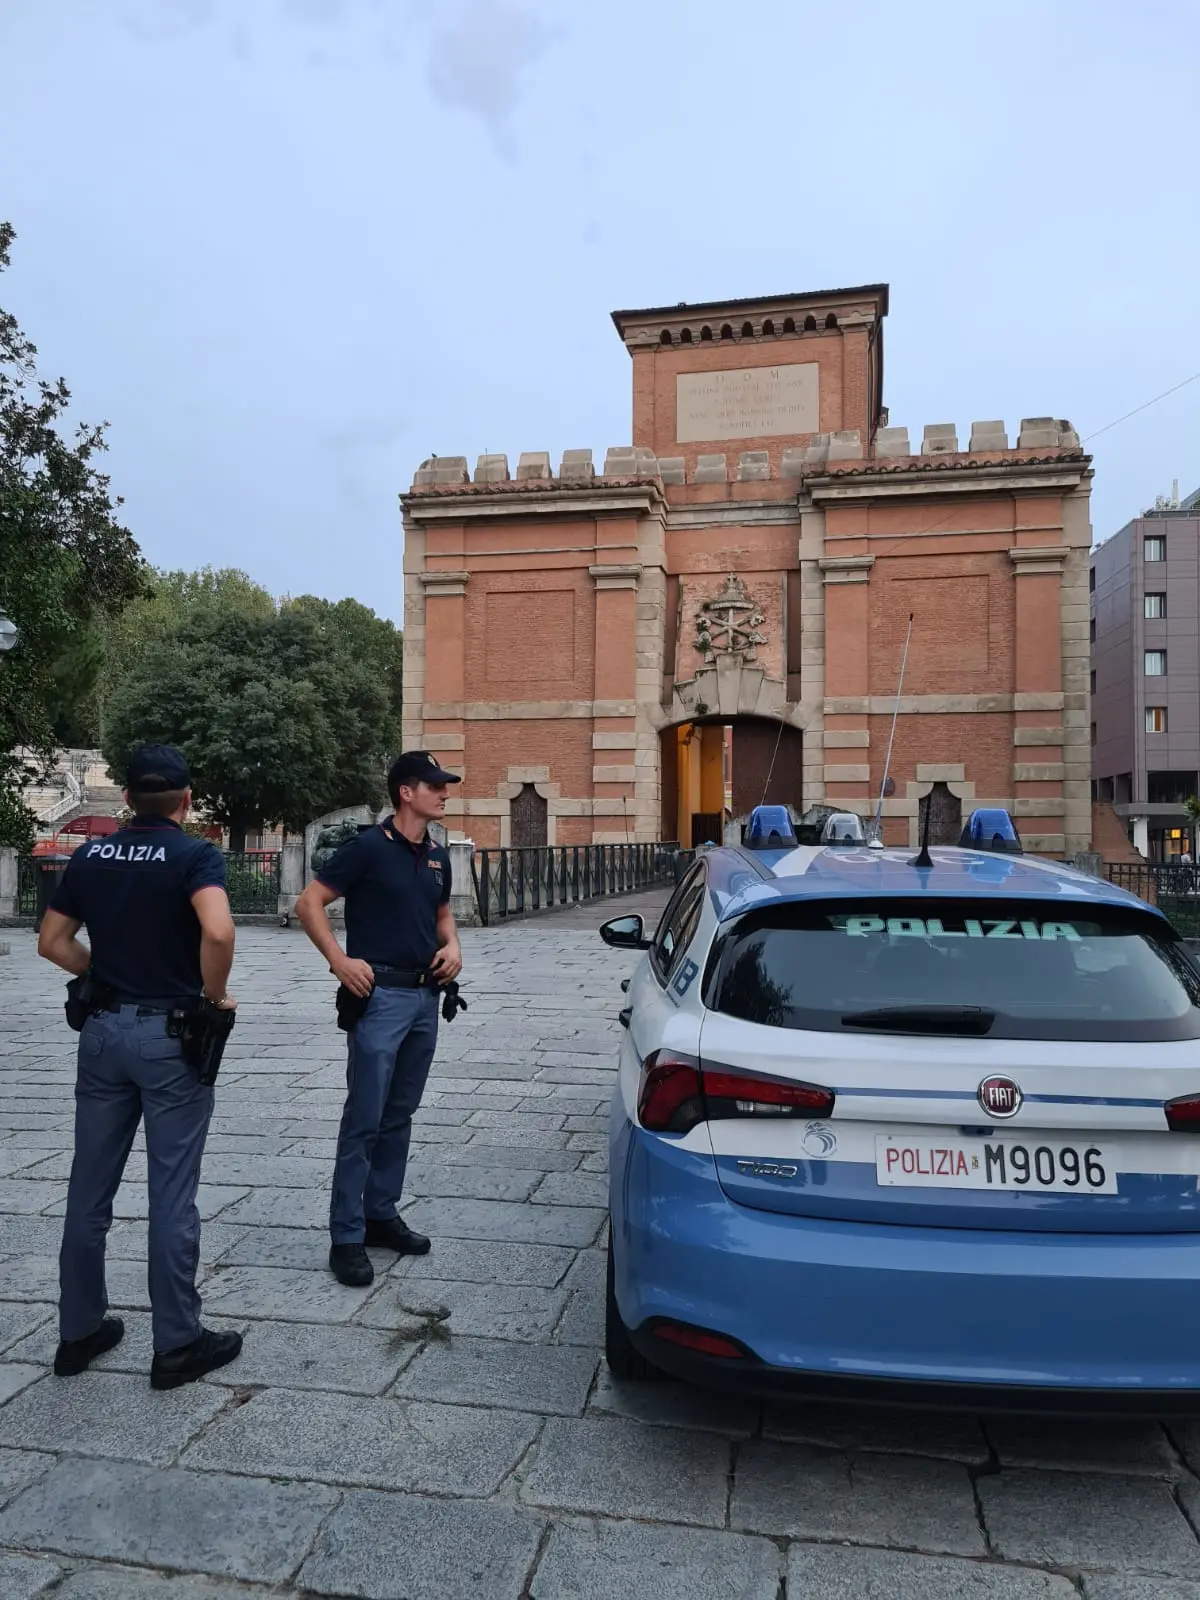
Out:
{"x": 157, "y": 769}
{"x": 418, "y": 766}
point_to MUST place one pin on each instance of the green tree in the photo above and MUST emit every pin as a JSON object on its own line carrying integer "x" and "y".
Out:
{"x": 281, "y": 717}
{"x": 170, "y": 599}
{"x": 351, "y": 626}
{"x": 65, "y": 561}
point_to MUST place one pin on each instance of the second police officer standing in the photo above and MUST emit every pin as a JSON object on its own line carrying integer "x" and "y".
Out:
{"x": 157, "y": 915}
{"x": 401, "y": 944}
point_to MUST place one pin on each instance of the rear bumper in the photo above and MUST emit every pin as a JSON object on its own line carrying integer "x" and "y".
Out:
{"x": 943, "y": 1317}
{"x": 757, "y": 1379}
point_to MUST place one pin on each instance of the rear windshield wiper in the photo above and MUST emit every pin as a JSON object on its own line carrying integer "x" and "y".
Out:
{"x": 971, "y": 1020}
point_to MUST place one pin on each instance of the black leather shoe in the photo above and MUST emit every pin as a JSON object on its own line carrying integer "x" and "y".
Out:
{"x": 76, "y": 1355}
{"x": 173, "y": 1368}
{"x": 389, "y": 1233}
{"x": 351, "y": 1265}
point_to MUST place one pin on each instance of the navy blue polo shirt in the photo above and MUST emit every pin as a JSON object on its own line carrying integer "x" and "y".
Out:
{"x": 133, "y": 892}
{"x": 393, "y": 891}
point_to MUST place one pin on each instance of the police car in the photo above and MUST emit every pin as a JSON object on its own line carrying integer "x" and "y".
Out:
{"x": 921, "y": 1126}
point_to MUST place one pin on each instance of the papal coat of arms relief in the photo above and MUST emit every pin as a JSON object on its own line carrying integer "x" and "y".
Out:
{"x": 729, "y": 624}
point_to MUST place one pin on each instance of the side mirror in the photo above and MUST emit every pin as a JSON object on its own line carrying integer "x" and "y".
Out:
{"x": 625, "y": 933}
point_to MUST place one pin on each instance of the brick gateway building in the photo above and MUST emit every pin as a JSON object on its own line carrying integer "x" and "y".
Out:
{"x": 637, "y": 652}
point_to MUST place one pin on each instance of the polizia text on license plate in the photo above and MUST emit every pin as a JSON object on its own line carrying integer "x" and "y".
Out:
{"x": 1048, "y": 1166}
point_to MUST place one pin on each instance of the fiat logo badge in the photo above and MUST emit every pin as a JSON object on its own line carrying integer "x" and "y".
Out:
{"x": 1000, "y": 1097}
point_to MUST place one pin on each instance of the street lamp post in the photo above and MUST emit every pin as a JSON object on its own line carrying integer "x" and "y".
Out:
{"x": 8, "y": 632}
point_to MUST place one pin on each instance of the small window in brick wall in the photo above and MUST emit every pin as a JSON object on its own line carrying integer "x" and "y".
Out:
{"x": 1155, "y": 547}
{"x": 1156, "y": 663}
{"x": 1156, "y": 606}
{"x": 1156, "y": 719}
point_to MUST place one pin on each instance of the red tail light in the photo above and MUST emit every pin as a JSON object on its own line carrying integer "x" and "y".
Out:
{"x": 670, "y": 1099}
{"x": 730, "y": 1095}
{"x": 1183, "y": 1115}
{"x": 677, "y": 1092}
{"x": 708, "y": 1344}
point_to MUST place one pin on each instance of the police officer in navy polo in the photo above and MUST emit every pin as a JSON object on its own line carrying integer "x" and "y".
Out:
{"x": 401, "y": 943}
{"x": 157, "y": 916}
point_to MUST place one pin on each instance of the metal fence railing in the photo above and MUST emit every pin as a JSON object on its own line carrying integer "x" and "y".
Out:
{"x": 515, "y": 882}
{"x": 27, "y": 869}
{"x": 1175, "y": 890}
{"x": 252, "y": 880}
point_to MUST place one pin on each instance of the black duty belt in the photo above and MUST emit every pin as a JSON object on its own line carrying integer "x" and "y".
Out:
{"x": 393, "y": 978}
{"x": 152, "y": 1007}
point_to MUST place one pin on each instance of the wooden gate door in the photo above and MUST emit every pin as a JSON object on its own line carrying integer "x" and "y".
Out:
{"x": 756, "y": 745}
{"x": 529, "y": 820}
{"x": 945, "y": 815}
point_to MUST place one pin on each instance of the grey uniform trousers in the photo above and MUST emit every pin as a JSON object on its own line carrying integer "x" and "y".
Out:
{"x": 390, "y": 1052}
{"x": 130, "y": 1069}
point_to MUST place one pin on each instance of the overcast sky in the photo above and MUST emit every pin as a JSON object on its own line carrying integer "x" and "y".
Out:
{"x": 291, "y": 247}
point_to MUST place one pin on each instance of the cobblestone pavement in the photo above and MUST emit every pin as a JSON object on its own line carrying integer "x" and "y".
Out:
{"x": 368, "y": 1444}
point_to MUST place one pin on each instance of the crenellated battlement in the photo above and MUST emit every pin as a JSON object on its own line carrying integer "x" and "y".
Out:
{"x": 822, "y": 453}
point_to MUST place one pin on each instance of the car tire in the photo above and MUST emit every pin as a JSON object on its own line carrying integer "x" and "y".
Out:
{"x": 623, "y": 1358}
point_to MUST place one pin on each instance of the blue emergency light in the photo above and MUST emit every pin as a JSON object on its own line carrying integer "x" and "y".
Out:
{"x": 770, "y": 828}
{"x": 991, "y": 828}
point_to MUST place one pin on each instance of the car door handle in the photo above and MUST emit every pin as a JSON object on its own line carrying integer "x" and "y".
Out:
{"x": 625, "y": 982}
{"x": 624, "y": 1016}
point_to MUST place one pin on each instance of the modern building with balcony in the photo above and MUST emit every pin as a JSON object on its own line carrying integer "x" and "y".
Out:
{"x": 1145, "y": 682}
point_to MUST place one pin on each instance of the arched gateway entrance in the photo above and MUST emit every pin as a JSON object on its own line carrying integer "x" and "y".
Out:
{"x": 715, "y": 771}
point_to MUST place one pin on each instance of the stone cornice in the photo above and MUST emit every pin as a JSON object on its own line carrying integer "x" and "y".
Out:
{"x": 924, "y": 482}
{"x": 523, "y": 500}
{"x": 617, "y": 576}
{"x": 846, "y": 569}
{"x": 442, "y": 582}
{"x": 1031, "y": 560}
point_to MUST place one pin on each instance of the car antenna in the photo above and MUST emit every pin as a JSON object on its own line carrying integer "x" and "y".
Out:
{"x": 923, "y": 858}
{"x": 887, "y": 760}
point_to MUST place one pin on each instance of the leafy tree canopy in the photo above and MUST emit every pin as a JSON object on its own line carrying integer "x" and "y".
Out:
{"x": 282, "y": 715}
{"x": 65, "y": 560}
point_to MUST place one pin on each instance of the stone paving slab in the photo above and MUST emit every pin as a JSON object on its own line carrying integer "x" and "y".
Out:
{"x": 108, "y": 1414}
{"x": 282, "y": 1293}
{"x": 497, "y": 1372}
{"x": 479, "y": 1310}
{"x": 620, "y": 1559}
{"x": 615, "y": 1468}
{"x": 127, "y": 1583}
{"x": 379, "y": 1444}
{"x": 1116, "y": 1587}
{"x": 383, "y": 1546}
{"x": 875, "y": 1429}
{"x": 1074, "y": 1445}
{"x": 291, "y": 1355}
{"x": 1063, "y": 1519}
{"x": 192, "y": 1521}
{"x": 25, "y": 1577}
{"x": 387, "y": 1450}
{"x": 540, "y": 1266}
{"x": 803, "y": 1493}
{"x": 17, "y": 1321}
{"x": 674, "y": 1405}
{"x": 19, "y": 1468}
{"x": 825, "y": 1573}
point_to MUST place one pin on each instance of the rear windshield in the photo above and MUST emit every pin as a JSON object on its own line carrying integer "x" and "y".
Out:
{"x": 1041, "y": 970}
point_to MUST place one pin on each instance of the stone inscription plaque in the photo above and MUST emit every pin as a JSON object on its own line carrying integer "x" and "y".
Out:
{"x": 752, "y": 403}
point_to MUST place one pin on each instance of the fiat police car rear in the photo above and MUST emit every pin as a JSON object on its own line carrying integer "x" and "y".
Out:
{"x": 920, "y": 1126}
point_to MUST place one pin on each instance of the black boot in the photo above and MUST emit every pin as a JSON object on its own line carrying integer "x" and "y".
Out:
{"x": 76, "y": 1355}
{"x": 170, "y": 1369}
{"x": 351, "y": 1265}
{"x": 389, "y": 1233}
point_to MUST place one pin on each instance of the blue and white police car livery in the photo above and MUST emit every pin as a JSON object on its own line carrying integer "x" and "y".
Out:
{"x": 913, "y": 1126}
